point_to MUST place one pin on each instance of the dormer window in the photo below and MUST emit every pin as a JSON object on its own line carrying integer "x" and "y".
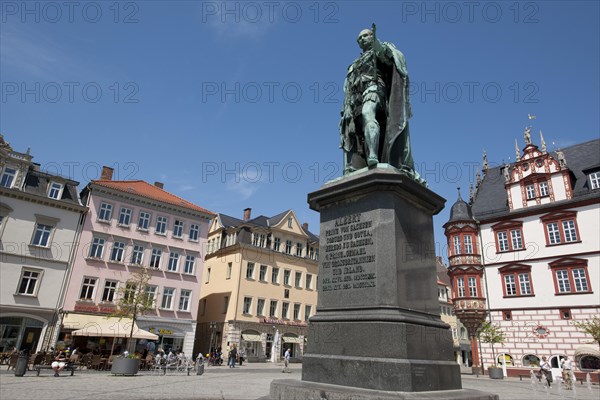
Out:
{"x": 55, "y": 190}
{"x": 289, "y": 222}
{"x": 595, "y": 180}
{"x": 8, "y": 177}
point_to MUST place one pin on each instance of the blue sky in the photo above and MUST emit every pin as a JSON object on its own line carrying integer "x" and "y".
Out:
{"x": 236, "y": 104}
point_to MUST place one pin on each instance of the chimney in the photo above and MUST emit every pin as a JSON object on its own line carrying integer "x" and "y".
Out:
{"x": 159, "y": 185}
{"x": 305, "y": 226}
{"x": 247, "y": 212}
{"x": 107, "y": 174}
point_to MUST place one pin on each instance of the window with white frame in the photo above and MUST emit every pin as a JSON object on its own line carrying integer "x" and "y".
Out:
{"x": 190, "y": 264}
{"x": 184, "y": 300}
{"x": 110, "y": 289}
{"x": 97, "y": 247}
{"x": 290, "y": 220}
{"x": 41, "y": 236}
{"x": 285, "y": 307}
{"x": 118, "y": 252}
{"x": 307, "y": 311}
{"x": 178, "y": 229}
{"x": 167, "y": 298}
{"x": 129, "y": 292}
{"x": 255, "y": 239}
{"x": 457, "y": 246}
{"x": 105, "y": 212}
{"x": 125, "y": 216}
{"x": 276, "y": 244}
{"x": 155, "y": 258}
{"x": 299, "y": 249}
{"x": 88, "y": 287}
{"x": 561, "y": 227}
{"x": 472, "y": 286}
{"x": 161, "y": 225}
{"x": 517, "y": 280}
{"x": 298, "y": 279}
{"x": 509, "y": 236}
{"x": 250, "y": 271}
{"x": 262, "y": 240}
{"x": 273, "y": 308}
{"x": 288, "y": 247}
{"x": 262, "y": 274}
{"x": 137, "y": 255}
{"x": 143, "y": 221}
{"x": 173, "y": 262}
{"x": 29, "y": 282}
{"x": 571, "y": 276}
{"x": 296, "y": 312}
{"x": 530, "y": 191}
{"x": 275, "y": 275}
{"x": 247, "y": 305}
{"x": 460, "y": 286}
{"x": 595, "y": 180}
{"x": 260, "y": 307}
{"x": 468, "y": 239}
{"x": 309, "y": 281}
{"x": 150, "y": 294}
{"x": 55, "y": 190}
{"x": 286, "y": 277}
{"x": 544, "y": 190}
{"x": 8, "y": 177}
{"x": 194, "y": 234}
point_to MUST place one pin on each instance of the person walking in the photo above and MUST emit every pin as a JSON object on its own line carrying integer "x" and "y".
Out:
{"x": 567, "y": 372}
{"x": 241, "y": 355}
{"x": 546, "y": 369}
{"x": 286, "y": 360}
{"x": 232, "y": 356}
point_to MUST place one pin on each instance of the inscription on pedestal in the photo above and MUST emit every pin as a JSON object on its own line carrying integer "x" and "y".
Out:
{"x": 349, "y": 256}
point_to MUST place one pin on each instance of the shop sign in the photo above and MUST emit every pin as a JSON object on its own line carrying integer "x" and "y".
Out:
{"x": 277, "y": 321}
{"x": 160, "y": 331}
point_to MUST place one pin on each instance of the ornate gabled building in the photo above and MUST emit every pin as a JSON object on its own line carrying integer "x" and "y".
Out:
{"x": 40, "y": 221}
{"x": 259, "y": 285}
{"x": 537, "y": 228}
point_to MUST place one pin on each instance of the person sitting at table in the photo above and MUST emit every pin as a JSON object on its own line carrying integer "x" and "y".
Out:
{"x": 60, "y": 361}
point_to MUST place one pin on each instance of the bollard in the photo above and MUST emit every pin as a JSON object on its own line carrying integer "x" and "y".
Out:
{"x": 21, "y": 365}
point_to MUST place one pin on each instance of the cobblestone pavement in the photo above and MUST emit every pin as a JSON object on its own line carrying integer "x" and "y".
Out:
{"x": 250, "y": 381}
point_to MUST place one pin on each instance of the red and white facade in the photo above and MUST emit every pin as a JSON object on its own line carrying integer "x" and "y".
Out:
{"x": 539, "y": 249}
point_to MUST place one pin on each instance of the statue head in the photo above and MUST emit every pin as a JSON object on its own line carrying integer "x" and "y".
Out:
{"x": 365, "y": 39}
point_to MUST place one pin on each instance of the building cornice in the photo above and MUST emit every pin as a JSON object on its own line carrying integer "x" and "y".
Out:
{"x": 46, "y": 201}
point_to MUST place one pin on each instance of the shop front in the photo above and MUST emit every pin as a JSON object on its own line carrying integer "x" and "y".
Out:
{"x": 172, "y": 336}
{"x": 21, "y": 333}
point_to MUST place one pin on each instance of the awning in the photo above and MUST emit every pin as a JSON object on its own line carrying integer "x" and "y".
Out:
{"x": 287, "y": 338}
{"x": 251, "y": 336}
{"x": 113, "y": 327}
{"x": 587, "y": 351}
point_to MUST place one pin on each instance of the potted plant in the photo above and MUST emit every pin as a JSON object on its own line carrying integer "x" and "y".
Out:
{"x": 125, "y": 364}
{"x": 492, "y": 334}
{"x": 133, "y": 301}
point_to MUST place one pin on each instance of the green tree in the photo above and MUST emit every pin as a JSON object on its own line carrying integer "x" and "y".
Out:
{"x": 491, "y": 334}
{"x": 134, "y": 300}
{"x": 591, "y": 327}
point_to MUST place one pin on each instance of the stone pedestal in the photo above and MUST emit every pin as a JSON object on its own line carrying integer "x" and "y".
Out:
{"x": 377, "y": 325}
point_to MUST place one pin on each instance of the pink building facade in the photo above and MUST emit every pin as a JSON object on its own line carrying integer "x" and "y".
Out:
{"x": 129, "y": 225}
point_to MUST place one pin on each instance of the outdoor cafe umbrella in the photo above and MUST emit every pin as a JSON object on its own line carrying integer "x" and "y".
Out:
{"x": 115, "y": 328}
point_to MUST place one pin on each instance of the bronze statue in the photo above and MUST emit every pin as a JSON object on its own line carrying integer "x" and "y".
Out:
{"x": 376, "y": 109}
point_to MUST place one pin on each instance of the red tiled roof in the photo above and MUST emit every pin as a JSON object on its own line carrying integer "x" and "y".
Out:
{"x": 144, "y": 189}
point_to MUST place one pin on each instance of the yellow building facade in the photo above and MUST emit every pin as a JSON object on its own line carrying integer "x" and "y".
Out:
{"x": 259, "y": 286}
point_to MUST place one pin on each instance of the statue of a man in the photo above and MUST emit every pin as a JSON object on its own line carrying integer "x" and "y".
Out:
{"x": 376, "y": 109}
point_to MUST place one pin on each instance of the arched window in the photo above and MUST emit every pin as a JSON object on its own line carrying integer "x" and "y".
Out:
{"x": 589, "y": 363}
{"x": 531, "y": 360}
{"x": 508, "y": 359}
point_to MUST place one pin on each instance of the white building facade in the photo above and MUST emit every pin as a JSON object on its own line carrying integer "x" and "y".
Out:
{"x": 40, "y": 217}
{"x": 538, "y": 237}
